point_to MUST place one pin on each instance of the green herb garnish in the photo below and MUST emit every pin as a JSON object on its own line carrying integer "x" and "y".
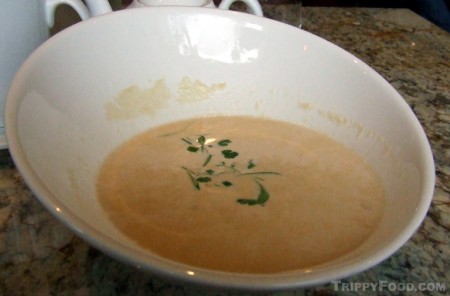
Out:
{"x": 262, "y": 198}
{"x": 224, "y": 143}
{"x": 259, "y": 173}
{"x": 192, "y": 149}
{"x": 203, "y": 179}
{"x": 201, "y": 140}
{"x": 186, "y": 141}
{"x": 227, "y": 183}
{"x": 229, "y": 154}
{"x": 192, "y": 178}
{"x": 207, "y": 160}
{"x": 222, "y": 164}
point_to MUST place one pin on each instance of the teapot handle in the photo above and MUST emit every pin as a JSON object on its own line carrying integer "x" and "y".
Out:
{"x": 255, "y": 7}
{"x": 77, "y": 5}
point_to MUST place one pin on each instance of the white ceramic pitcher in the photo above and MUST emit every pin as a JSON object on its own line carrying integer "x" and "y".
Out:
{"x": 23, "y": 27}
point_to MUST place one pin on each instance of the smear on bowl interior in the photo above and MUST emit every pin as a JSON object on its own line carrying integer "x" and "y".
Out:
{"x": 241, "y": 194}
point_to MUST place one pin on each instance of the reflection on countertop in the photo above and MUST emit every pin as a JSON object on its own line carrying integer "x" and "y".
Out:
{"x": 40, "y": 256}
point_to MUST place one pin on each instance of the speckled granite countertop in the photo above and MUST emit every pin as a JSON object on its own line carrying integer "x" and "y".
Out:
{"x": 40, "y": 256}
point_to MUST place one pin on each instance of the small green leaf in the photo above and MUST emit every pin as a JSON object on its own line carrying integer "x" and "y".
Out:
{"x": 229, "y": 153}
{"x": 203, "y": 179}
{"x": 224, "y": 143}
{"x": 201, "y": 140}
{"x": 192, "y": 149}
{"x": 263, "y": 195}
{"x": 210, "y": 172}
{"x": 250, "y": 164}
{"x": 227, "y": 183}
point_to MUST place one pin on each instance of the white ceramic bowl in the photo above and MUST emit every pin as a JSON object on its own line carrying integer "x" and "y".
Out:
{"x": 59, "y": 133}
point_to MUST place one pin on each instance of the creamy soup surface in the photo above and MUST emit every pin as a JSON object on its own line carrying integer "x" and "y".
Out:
{"x": 241, "y": 194}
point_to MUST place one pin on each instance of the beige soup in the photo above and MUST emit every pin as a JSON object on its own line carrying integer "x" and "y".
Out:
{"x": 241, "y": 194}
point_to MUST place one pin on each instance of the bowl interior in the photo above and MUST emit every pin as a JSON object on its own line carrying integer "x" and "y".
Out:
{"x": 66, "y": 111}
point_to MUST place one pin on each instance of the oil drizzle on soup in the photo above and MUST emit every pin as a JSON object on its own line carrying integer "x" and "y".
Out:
{"x": 321, "y": 201}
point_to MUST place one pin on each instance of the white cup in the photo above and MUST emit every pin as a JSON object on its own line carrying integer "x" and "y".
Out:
{"x": 23, "y": 27}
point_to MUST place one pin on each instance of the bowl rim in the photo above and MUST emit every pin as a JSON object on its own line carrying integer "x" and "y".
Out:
{"x": 177, "y": 271}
